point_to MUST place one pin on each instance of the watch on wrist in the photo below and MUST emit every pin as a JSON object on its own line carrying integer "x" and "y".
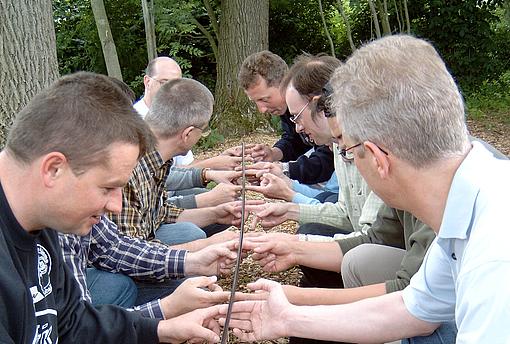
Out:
{"x": 285, "y": 169}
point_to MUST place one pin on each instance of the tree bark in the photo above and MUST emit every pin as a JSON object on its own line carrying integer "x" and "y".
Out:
{"x": 375, "y": 20}
{"x": 383, "y": 13}
{"x": 325, "y": 24}
{"x": 28, "y": 55}
{"x": 398, "y": 12}
{"x": 243, "y": 30}
{"x": 347, "y": 24}
{"x": 150, "y": 31}
{"x": 408, "y": 23}
{"x": 107, "y": 43}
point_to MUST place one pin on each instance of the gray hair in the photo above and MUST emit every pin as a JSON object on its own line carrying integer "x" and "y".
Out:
{"x": 180, "y": 103}
{"x": 397, "y": 93}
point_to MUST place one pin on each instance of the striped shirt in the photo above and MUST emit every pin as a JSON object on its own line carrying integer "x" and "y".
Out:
{"x": 106, "y": 249}
{"x": 144, "y": 199}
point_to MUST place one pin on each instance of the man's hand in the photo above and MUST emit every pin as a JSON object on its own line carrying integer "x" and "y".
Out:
{"x": 262, "y": 167}
{"x": 260, "y": 320}
{"x": 223, "y": 162}
{"x": 193, "y": 293}
{"x": 221, "y": 193}
{"x": 213, "y": 260}
{"x": 228, "y": 177}
{"x": 272, "y": 186}
{"x": 262, "y": 152}
{"x": 271, "y": 253}
{"x": 273, "y": 214}
{"x": 238, "y": 150}
{"x": 199, "y": 325}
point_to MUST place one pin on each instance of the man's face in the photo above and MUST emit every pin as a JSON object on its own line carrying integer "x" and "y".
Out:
{"x": 165, "y": 70}
{"x": 317, "y": 130}
{"x": 268, "y": 99}
{"x": 336, "y": 131}
{"x": 82, "y": 199}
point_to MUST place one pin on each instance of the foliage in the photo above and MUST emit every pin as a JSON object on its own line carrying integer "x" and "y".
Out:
{"x": 212, "y": 140}
{"x": 491, "y": 99}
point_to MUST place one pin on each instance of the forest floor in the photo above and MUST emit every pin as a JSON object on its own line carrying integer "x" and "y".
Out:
{"x": 493, "y": 130}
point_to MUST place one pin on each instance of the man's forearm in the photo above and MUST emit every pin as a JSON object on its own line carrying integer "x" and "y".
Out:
{"x": 323, "y": 296}
{"x": 370, "y": 320}
{"x": 319, "y": 255}
{"x": 201, "y": 217}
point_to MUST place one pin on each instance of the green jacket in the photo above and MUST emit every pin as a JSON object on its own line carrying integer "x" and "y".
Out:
{"x": 396, "y": 228}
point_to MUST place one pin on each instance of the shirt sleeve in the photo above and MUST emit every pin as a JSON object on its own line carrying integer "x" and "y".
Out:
{"x": 333, "y": 214}
{"x": 151, "y": 310}
{"x": 316, "y": 168}
{"x": 134, "y": 257}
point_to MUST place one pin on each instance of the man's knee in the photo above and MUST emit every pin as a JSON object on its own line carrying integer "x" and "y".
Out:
{"x": 111, "y": 288}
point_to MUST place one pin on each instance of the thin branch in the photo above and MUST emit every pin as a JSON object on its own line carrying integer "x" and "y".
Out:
{"x": 212, "y": 18}
{"x": 331, "y": 45}
{"x": 209, "y": 37}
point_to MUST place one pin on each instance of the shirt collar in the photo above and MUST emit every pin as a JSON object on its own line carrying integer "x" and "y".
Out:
{"x": 463, "y": 193}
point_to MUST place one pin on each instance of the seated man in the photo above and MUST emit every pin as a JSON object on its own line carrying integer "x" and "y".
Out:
{"x": 260, "y": 76}
{"x": 68, "y": 154}
{"x": 179, "y": 114}
{"x": 104, "y": 260}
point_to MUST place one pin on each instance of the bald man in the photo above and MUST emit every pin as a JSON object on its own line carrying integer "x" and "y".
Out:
{"x": 158, "y": 71}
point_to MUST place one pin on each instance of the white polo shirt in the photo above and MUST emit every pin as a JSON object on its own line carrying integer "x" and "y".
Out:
{"x": 466, "y": 273}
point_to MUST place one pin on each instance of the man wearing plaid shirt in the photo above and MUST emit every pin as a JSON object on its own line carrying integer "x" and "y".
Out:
{"x": 118, "y": 256}
{"x": 179, "y": 115}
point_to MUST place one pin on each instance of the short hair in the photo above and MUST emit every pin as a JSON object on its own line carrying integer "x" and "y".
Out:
{"x": 309, "y": 74}
{"x": 79, "y": 115}
{"x": 124, "y": 88}
{"x": 179, "y": 103}
{"x": 398, "y": 93}
{"x": 269, "y": 66}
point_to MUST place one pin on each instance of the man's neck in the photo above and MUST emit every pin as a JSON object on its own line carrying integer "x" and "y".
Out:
{"x": 15, "y": 178}
{"x": 425, "y": 190}
{"x": 169, "y": 148}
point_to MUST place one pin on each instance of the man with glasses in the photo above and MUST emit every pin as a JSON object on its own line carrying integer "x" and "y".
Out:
{"x": 260, "y": 76}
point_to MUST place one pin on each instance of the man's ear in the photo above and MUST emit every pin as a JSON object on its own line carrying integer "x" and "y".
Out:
{"x": 146, "y": 80}
{"x": 186, "y": 133}
{"x": 53, "y": 166}
{"x": 379, "y": 159}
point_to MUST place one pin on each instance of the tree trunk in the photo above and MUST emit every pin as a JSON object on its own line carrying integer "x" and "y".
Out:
{"x": 347, "y": 24}
{"x": 105, "y": 35}
{"x": 28, "y": 55}
{"x": 383, "y": 13}
{"x": 325, "y": 24}
{"x": 243, "y": 30}
{"x": 374, "y": 19}
{"x": 408, "y": 23}
{"x": 398, "y": 12}
{"x": 150, "y": 31}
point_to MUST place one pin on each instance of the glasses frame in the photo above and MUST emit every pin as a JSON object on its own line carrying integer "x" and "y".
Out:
{"x": 295, "y": 118}
{"x": 343, "y": 152}
{"x": 204, "y": 132}
{"x": 161, "y": 82}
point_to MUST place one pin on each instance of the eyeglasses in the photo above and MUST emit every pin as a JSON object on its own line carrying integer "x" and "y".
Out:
{"x": 323, "y": 103}
{"x": 348, "y": 155}
{"x": 204, "y": 131}
{"x": 161, "y": 82}
{"x": 295, "y": 118}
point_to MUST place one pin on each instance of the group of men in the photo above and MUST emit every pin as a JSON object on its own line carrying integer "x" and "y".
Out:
{"x": 408, "y": 246}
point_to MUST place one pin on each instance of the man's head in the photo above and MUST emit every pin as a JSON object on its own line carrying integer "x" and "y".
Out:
{"x": 303, "y": 86}
{"x": 260, "y": 76}
{"x": 182, "y": 107}
{"x": 396, "y": 97}
{"x": 77, "y": 142}
{"x": 158, "y": 71}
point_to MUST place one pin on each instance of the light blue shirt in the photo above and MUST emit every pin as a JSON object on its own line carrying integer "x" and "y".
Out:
{"x": 305, "y": 193}
{"x": 466, "y": 273}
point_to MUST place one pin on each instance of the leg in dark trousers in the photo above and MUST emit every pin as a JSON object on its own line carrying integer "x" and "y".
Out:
{"x": 318, "y": 278}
